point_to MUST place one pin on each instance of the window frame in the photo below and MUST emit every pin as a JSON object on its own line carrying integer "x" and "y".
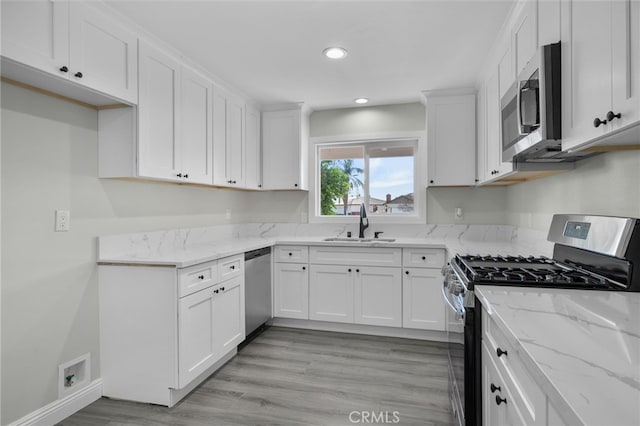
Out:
{"x": 420, "y": 190}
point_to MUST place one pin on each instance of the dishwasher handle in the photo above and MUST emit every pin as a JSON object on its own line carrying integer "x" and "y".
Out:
{"x": 257, "y": 253}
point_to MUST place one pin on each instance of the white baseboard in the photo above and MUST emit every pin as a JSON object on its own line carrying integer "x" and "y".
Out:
{"x": 373, "y": 330}
{"x": 60, "y": 409}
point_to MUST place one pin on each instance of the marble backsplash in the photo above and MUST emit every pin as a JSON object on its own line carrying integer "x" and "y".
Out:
{"x": 159, "y": 243}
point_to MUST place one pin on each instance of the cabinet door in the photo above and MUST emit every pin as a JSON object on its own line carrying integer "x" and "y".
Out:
{"x": 228, "y": 315}
{"x": 158, "y": 150}
{"x": 102, "y": 53}
{"x": 235, "y": 141}
{"x": 220, "y": 138}
{"x": 253, "y": 166}
{"x": 525, "y": 34}
{"x": 281, "y": 162}
{"x": 291, "y": 290}
{"x": 196, "y": 141}
{"x": 625, "y": 52}
{"x": 36, "y": 33}
{"x": 422, "y": 305}
{"x": 586, "y": 69}
{"x": 378, "y": 296}
{"x": 451, "y": 131}
{"x": 331, "y": 293}
{"x": 494, "y": 163}
{"x": 196, "y": 346}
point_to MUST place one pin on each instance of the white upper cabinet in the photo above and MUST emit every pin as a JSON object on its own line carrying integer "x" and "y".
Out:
{"x": 102, "y": 53}
{"x": 228, "y": 140}
{"x": 159, "y": 154}
{"x": 36, "y": 33}
{"x": 601, "y": 47}
{"x": 170, "y": 136}
{"x": 285, "y": 148}
{"x": 451, "y": 139}
{"x": 253, "y": 163}
{"x": 525, "y": 35}
{"x": 72, "y": 40}
{"x": 196, "y": 141}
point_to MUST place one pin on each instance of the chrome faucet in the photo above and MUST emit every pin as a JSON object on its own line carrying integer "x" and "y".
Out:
{"x": 364, "y": 222}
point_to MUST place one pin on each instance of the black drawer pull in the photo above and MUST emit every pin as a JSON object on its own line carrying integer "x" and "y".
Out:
{"x": 611, "y": 115}
{"x": 500, "y": 400}
{"x": 232, "y": 266}
{"x": 597, "y": 122}
{"x": 201, "y": 277}
{"x": 78, "y": 74}
{"x": 500, "y": 352}
{"x": 495, "y": 388}
{"x": 64, "y": 69}
{"x": 304, "y": 268}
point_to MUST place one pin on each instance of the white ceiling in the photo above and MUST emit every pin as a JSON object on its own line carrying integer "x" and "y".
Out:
{"x": 272, "y": 50}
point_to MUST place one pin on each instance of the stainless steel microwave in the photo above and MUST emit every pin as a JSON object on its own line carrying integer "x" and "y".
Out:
{"x": 531, "y": 110}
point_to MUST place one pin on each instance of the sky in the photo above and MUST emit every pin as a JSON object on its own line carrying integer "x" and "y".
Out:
{"x": 391, "y": 175}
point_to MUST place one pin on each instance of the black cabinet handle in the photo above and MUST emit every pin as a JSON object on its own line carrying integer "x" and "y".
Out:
{"x": 201, "y": 277}
{"x": 179, "y": 175}
{"x": 295, "y": 184}
{"x": 500, "y": 352}
{"x": 597, "y": 122}
{"x": 406, "y": 272}
{"x": 495, "y": 388}
{"x": 431, "y": 181}
{"x": 232, "y": 266}
{"x": 259, "y": 186}
{"x": 349, "y": 270}
{"x": 221, "y": 288}
{"x": 357, "y": 270}
{"x": 500, "y": 400}
{"x": 78, "y": 74}
{"x": 186, "y": 176}
{"x": 64, "y": 69}
{"x": 611, "y": 115}
{"x": 216, "y": 291}
{"x": 290, "y": 254}
{"x": 304, "y": 268}
{"x": 424, "y": 258}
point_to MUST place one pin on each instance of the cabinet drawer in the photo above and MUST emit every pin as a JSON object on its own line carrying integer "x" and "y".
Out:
{"x": 230, "y": 267}
{"x": 423, "y": 258}
{"x": 197, "y": 277}
{"x": 526, "y": 392}
{"x": 292, "y": 254}
{"x": 362, "y": 256}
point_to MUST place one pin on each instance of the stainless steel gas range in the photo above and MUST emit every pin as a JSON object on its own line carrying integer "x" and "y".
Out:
{"x": 590, "y": 252}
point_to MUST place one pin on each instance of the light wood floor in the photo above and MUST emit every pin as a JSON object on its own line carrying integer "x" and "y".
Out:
{"x": 300, "y": 377}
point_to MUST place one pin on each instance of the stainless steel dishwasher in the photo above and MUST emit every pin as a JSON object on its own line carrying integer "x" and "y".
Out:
{"x": 257, "y": 288}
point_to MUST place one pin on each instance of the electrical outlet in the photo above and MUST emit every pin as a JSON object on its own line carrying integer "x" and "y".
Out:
{"x": 63, "y": 220}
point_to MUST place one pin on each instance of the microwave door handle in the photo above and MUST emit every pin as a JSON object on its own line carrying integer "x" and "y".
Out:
{"x": 519, "y": 108}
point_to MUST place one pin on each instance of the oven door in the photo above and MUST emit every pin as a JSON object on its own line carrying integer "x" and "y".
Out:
{"x": 455, "y": 337}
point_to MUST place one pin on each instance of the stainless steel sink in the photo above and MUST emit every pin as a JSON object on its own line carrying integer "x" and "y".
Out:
{"x": 360, "y": 240}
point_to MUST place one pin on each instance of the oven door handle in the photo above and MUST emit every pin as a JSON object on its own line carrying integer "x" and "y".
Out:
{"x": 448, "y": 302}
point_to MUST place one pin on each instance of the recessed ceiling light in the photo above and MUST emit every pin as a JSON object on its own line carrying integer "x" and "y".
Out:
{"x": 334, "y": 52}
{"x": 361, "y": 100}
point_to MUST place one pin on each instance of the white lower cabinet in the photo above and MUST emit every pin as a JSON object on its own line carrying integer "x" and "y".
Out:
{"x": 361, "y": 285}
{"x": 291, "y": 290}
{"x": 163, "y": 330}
{"x": 197, "y": 348}
{"x": 378, "y": 296}
{"x": 331, "y": 293}
{"x": 510, "y": 395}
{"x": 422, "y": 305}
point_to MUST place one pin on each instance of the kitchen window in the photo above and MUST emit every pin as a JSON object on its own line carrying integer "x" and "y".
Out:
{"x": 383, "y": 175}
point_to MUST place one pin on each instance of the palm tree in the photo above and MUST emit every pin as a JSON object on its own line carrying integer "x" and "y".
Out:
{"x": 354, "y": 174}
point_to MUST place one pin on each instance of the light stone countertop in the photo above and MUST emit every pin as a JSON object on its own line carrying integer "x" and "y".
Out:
{"x": 582, "y": 347}
{"x": 193, "y": 254}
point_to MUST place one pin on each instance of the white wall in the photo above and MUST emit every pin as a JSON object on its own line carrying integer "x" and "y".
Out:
{"x": 608, "y": 184}
{"x": 49, "y": 285}
{"x": 366, "y": 120}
